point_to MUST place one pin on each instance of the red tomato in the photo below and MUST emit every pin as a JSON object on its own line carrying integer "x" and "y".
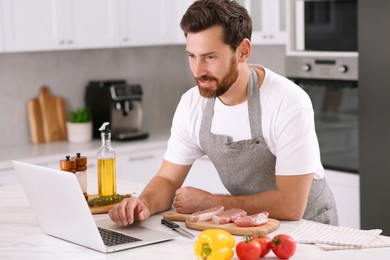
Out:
{"x": 248, "y": 249}
{"x": 283, "y": 246}
{"x": 265, "y": 242}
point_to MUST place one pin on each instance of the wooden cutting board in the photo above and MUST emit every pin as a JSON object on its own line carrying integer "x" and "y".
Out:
{"x": 99, "y": 209}
{"x": 47, "y": 117}
{"x": 232, "y": 228}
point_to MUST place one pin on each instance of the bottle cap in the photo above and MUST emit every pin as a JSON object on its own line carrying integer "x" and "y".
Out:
{"x": 104, "y": 128}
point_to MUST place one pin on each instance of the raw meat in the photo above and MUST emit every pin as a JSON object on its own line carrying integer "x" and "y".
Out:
{"x": 227, "y": 216}
{"x": 204, "y": 215}
{"x": 252, "y": 220}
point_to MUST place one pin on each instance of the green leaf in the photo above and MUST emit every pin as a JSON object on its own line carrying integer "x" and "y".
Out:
{"x": 80, "y": 115}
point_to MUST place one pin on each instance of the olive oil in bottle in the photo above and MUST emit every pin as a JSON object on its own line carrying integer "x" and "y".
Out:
{"x": 106, "y": 164}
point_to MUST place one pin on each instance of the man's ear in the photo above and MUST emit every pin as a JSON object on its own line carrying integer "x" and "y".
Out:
{"x": 245, "y": 49}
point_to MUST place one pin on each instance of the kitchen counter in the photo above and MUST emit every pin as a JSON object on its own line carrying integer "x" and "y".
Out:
{"x": 22, "y": 238}
{"x": 53, "y": 152}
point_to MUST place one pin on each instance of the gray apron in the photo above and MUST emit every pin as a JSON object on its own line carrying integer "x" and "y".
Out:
{"x": 248, "y": 166}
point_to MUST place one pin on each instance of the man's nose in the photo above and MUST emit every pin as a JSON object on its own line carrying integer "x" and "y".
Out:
{"x": 198, "y": 68}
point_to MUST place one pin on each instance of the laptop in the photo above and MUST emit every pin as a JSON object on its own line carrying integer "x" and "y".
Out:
{"x": 62, "y": 211}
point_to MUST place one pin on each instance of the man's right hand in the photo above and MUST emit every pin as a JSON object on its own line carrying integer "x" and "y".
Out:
{"x": 129, "y": 211}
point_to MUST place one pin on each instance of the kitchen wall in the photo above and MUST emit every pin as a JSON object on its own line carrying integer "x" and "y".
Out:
{"x": 162, "y": 71}
{"x": 374, "y": 120}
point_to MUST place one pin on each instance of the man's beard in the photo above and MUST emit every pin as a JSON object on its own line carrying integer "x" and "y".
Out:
{"x": 221, "y": 86}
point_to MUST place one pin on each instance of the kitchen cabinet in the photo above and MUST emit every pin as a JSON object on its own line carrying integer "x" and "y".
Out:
{"x": 91, "y": 23}
{"x": 346, "y": 190}
{"x": 141, "y": 166}
{"x": 268, "y": 21}
{"x": 203, "y": 175}
{"x": 146, "y": 22}
{"x": 31, "y": 25}
{"x": 43, "y": 25}
{"x": 181, "y": 7}
{"x": 1, "y": 29}
{"x": 59, "y": 24}
{"x": 142, "y": 25}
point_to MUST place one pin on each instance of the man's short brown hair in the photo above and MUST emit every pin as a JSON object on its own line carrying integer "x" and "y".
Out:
{"x": 234, "y": 19}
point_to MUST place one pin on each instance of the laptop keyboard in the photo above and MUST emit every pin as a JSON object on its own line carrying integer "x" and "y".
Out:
{"x": 112, "y": 238}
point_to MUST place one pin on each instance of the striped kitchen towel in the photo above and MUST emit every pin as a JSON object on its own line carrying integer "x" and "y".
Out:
{"x": 330, "y": 237}
{"x": 380, "y": 241}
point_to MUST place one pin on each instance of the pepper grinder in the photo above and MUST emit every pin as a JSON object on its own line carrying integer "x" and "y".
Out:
{"x": 81, "y": 171}
{"x": 68, "y": 165}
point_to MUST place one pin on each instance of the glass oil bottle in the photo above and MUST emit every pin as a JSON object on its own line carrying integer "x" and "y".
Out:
{"x": 106, "y": 164}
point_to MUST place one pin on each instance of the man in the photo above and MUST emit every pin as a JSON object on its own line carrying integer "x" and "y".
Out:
{"x": 256, "y": 127}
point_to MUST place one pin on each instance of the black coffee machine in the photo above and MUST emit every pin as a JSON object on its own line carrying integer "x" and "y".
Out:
{"x": 119, "y": 103}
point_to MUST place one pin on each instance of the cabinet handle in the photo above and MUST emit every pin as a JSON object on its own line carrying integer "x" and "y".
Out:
{"x": 90, "y": 165}
{"x": 62, "y": 42}
{"x": 141, "y": 158}
{"x": 125, "y": 39}
{"x": 70, "y": 42}
{"x": 268, "y": 36}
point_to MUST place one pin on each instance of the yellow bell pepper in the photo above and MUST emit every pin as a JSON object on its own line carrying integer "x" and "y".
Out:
{"x": 214, "y": 244}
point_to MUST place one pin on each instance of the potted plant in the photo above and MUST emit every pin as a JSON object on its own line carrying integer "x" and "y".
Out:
{"x": 79, "y": 126}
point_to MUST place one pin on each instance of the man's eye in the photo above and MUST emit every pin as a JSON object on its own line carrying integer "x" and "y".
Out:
{"x": 210, "y": 57}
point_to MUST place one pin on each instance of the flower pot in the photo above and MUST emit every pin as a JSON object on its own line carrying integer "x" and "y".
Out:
{"x": 79, "y": 132}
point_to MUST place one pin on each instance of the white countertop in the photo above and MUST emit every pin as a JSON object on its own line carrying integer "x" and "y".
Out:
{"x": 22, "y": 238}
{"x": 55, "y": 151}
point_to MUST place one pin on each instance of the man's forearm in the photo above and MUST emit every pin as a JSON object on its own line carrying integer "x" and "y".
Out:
{"x": 271, "y": 201}
{"x": 158, "y": 195}
{"x": 287, "y": 202}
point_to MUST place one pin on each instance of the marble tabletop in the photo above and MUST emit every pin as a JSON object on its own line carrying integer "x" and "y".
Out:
{"x": 22, "y": 238}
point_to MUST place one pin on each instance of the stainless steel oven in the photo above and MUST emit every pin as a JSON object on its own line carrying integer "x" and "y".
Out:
{"x": 335, "y": 102}
{"x": 323, "y": 26}
{"x": 322, "y": 58}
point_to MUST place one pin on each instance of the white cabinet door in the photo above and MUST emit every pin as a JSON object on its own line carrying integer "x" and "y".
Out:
{"x": 91, "y": 23}
{"x": 146, "y": 22}
{"x": 32, "y": 25}
{"x": 79, "y": 24}
{"x": 59, "y": 24}
{"x": 268, "y": 20}
{"x": 1, "y": 28}
{"x": 346, "y": 188}
{"x": 139, "y": 166}
{"x": 180, "y": 8}
{"x": 203, "y": 175}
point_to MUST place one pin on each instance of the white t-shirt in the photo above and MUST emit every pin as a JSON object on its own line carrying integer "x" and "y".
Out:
{"x": 287, "y": 124}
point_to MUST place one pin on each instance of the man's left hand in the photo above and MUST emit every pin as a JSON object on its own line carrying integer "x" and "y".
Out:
{"x": 189, "y": 200}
